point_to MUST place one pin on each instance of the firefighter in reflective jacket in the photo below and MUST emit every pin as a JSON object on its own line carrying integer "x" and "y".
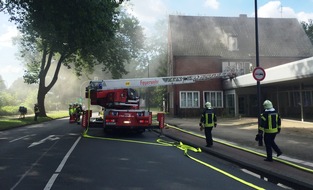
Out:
{"x": 70, "y": 110}
{"x": 78, "y": 111}
{"x": 270, "y": 125}
{"x": 36, "y": 110}
{"x": 208, "y": 121}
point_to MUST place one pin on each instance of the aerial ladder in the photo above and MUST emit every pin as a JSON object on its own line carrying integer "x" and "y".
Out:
{"x": 121, "y": 102}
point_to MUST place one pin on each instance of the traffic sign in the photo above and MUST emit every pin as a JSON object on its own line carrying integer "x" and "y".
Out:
{"x": 258, "y": 73}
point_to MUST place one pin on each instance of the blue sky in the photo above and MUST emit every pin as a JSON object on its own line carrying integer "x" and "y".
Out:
{"x": 150, "y": 11}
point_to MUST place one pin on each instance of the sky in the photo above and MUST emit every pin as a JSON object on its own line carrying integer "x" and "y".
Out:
{"x": 150, "y": 11}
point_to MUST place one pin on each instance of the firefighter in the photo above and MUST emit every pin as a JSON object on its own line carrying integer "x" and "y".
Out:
{"x": 270, "y": 125}
{"x": 36, "y": 110}
{"x": 70, "y": 109}
{"x": 71, "y": 112}
{"x": 207, "y": 122}
{"x": 78, "y": 111}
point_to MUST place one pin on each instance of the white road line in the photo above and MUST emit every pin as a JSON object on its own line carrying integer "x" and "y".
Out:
{"x": 50, "y": 138}
{"x": 51, "y": 181}
{"x": 60, "y": 167}
{"x": 19, "y": 138}
{"x": 32, "y": 166}
{"x": 250, "y": 173}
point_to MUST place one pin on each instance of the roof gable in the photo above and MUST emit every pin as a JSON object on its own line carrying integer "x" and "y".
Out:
{"x": 210, "y": 36}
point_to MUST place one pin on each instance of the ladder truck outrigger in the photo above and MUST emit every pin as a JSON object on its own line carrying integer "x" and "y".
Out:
{"x": 120, "y": 102}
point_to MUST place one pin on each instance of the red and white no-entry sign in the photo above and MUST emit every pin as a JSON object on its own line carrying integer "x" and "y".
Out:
{"x": 258, "y": 73}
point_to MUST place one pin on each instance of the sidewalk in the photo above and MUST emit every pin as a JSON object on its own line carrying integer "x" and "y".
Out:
{"x": 295, "y": 139}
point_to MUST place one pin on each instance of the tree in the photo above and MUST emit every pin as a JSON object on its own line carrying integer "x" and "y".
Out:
{"x": 76, "y": 35}
{"x": 2, "y": 84}
{"x": 157, "y": 47}
{"x": 308, "y": 28}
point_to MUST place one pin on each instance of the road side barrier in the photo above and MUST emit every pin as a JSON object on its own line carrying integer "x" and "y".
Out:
{"x": 160, "y": 118}
{"x": 72, "y": 118}
{"x": 86, "y": 117}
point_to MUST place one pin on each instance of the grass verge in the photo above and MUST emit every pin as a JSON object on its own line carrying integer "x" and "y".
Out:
{"x": 7, "y": 122}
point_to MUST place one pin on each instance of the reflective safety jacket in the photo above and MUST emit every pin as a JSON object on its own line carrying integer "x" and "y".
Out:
{"x": 208, "y": 118}
{"x": 270, "y": 122}
{"x": 36, "y": 109}
{"x": 78, "y": 109}
{"x": 72, "y": 111}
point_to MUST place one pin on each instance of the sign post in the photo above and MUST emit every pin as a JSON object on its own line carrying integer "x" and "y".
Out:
{"x": 258, "y": 73}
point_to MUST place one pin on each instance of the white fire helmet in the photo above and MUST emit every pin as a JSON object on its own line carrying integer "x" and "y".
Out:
{"x": 267, "y": 104}
{"x": 208, "y": 105}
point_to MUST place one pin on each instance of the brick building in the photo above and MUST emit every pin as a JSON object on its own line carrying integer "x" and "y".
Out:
{"x": 200, "y": 45}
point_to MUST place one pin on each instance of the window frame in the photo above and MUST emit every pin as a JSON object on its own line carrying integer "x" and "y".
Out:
{"x": 195, "y": 97}
{"x": 217, "y": 102}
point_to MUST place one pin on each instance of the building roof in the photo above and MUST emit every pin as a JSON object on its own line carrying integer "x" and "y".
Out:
{"x": 210, "y": 36}
{"x": 301, "y": 70}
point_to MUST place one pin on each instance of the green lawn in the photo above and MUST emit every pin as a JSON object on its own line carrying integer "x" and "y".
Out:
{"x": 10, "y": 122}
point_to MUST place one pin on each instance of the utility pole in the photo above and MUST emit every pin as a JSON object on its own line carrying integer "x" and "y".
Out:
{"x": 257, "y": 61}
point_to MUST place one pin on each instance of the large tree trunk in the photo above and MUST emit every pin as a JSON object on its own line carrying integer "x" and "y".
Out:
{"x": 43, "y": 89}
{"x": 41, "y": 102}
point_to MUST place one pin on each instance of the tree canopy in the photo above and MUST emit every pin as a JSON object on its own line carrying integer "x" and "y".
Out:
{"x": 308, "y": 28}
{"x": 76, "y": 34}
{"x": 2, "y": 84}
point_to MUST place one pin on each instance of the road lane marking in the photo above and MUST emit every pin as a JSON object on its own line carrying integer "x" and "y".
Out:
{"x": 19, "y": 138}
{"x": 32, "y": 166}
{"x": 50, "y": 138}
{"x": 67, "y": 155}
{"x": 51, "y": 181}
{"x": 23, "y": 137}
{"x": 60, "y": 167}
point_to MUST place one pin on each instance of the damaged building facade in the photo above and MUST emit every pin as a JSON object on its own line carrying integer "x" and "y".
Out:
{"x": 201, "y": 44}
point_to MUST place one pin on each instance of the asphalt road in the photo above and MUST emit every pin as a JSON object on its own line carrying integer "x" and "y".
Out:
{"x": 55, "y": 155}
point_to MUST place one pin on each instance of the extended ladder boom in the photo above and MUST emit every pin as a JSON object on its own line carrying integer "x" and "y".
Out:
{"x": 156, "y": 81}
{"x": 122, "y": 103}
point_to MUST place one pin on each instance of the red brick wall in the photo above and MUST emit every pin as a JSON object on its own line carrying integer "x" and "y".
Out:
{"x": 192, "y": 66}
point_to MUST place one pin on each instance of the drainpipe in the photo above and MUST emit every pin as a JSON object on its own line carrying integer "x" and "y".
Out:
{"x": 277, "y": 100}
{"x": 301, "y": 102}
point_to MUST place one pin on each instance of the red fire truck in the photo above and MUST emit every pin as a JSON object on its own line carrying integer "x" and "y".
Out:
{"x": 120, "y": 101}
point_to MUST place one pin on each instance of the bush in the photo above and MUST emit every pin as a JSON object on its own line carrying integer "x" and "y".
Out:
{"x": 9, "y": 110}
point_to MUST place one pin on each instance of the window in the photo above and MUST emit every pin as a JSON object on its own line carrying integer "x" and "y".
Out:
{"x": 295, "y": 98}
{"x": 232, "y": 43}
{"x": 307, "y": 98}
{"x": 189, "y": 99}
{"x": 215, "y": 97}
{"x": 230, "y": 104}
